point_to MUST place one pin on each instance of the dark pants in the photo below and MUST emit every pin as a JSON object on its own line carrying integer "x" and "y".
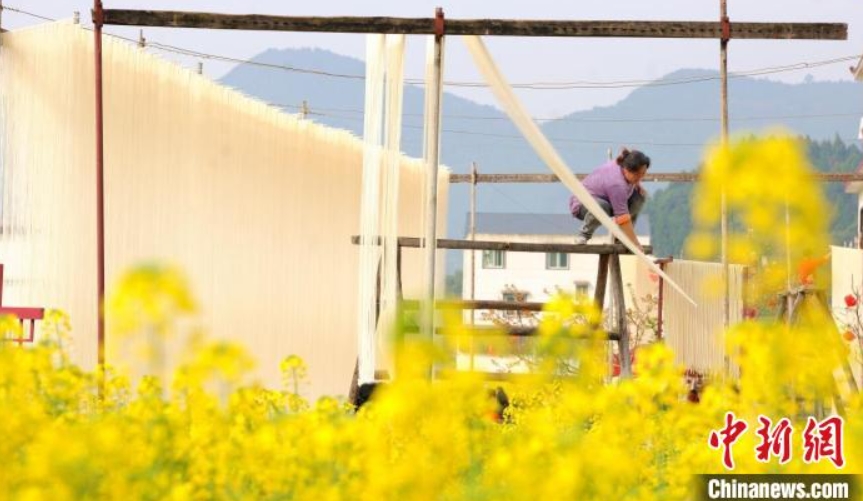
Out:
{"x": 635, "y": 203}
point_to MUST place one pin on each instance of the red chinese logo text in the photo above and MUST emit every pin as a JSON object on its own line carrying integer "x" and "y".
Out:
{"x": 732, "y": 431}
{"x": 823, "y": 439}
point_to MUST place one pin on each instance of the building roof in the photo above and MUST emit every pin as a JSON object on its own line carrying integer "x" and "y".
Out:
{"x": 514, "y": 223}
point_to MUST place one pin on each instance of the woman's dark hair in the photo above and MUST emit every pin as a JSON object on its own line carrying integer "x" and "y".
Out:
{"x": 632, "y": 160}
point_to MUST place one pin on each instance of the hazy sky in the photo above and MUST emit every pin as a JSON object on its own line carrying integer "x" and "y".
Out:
{"x": 522, "y": 59}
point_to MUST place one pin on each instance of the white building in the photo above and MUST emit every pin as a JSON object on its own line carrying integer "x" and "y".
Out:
{"x": 847, "y": 264}
{"x": 857, "y": 186}
{"x": 529, "y": 276}
{"x": 496, "y": 274}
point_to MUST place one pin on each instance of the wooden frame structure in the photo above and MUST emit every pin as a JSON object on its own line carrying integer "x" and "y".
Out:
{"x": 23, "y": 314}
{"x": 791, "y": 303}
{"x": 723, "y": 30}
{"x": 608, "y": 270}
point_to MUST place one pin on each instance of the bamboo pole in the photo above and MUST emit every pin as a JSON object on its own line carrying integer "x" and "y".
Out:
{"x": 433, "y": 151}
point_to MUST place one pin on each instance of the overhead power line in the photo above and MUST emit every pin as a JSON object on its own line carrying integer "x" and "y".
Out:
{"x": 31, "y": 14}
{"x": 534, "y": 85}
{"x": 324, "y": 111}
{"x": 561, "y": 85}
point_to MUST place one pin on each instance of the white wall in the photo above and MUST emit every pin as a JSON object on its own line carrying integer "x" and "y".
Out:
{"x": 846, "y": 277}
{"x": 527, "y": 271}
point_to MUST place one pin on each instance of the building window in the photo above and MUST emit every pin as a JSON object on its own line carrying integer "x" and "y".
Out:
{"x": 513, "y": 295}
{"x": 492, "y": 259}
{"x": 582, "y": 287}
{"x": 556, "y": 261}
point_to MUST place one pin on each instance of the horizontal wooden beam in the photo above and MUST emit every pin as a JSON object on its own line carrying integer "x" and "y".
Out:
{"x": 23, "y": 313}
{"x": 447, "y": 243}
{"x": 661, "y": 177}
{"x": 508, "y": 377}
{"x": 498, "y": 331}
{"x": 476, "y": 304}
{"x": 492, "y": 27}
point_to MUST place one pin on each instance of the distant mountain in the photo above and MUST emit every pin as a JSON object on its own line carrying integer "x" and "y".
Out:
{"x": 670, "y": 122}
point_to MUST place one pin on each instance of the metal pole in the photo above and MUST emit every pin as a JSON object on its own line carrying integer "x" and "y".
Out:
{"x": 473, "y": 174}
{"x": 723, "y": 74}
{"x": 723, "y": 96}
{"x": 433, "y": 147}
{"x": 100, "y": 196}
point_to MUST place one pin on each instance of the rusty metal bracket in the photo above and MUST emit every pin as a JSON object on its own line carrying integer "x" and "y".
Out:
{"x": 726, "y": 29}
{"x": 439, "y": 22}
{"x": 98, "y": 14}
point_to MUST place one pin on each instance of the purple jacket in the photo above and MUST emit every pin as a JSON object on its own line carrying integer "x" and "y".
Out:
{"x": 607, "y": 183}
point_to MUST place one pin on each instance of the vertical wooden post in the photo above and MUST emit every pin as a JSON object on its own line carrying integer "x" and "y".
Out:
{"x": 473, "y": 178}
{"x": 620, "y": 317}
{"x": 100, "y": 195}
{"x": 601, "y": 281}
{"x": 432, "y": 152}
{"x": 304, "y": 110}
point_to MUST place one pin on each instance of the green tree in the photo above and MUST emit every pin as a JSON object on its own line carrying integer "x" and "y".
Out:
{"x": 670, "y": 207}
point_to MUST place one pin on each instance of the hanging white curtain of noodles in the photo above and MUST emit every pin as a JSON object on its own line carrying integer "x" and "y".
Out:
{"x": 696, "y": 335}
{"x": 395, "y": 50}
{"x": 380, "y": 198}
{"x": 544, "y": 149}
{"x": 256, "y": 206}
{"x": 369, "y": 206}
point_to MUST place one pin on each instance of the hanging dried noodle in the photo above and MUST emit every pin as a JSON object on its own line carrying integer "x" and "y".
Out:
{"x": 256, "y": 206}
